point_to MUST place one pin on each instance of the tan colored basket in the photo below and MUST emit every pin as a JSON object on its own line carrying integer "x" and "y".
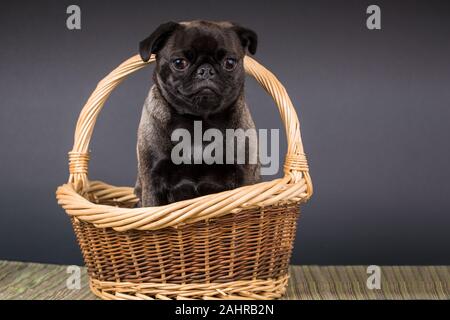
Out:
{"x": 232, "y": 245}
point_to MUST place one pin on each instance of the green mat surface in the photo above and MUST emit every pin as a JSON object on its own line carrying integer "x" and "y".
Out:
{"x": 42, "y": 281}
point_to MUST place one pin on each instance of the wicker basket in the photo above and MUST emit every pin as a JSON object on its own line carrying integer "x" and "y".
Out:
{"x": 232, "y": 245}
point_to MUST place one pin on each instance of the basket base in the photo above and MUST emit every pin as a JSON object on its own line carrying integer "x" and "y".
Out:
{"x": 236, "y": 290}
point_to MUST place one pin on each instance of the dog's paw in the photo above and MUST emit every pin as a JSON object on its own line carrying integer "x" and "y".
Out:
{"x": 209, "y": 187}
{"x": 184, "y": 190}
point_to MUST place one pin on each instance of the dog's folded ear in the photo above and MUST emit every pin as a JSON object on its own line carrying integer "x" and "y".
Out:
{"x": 156, "y": 41}
{"x": 249, "y": 38}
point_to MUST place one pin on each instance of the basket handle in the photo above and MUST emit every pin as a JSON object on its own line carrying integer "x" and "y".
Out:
{"x": 295, "y": 163}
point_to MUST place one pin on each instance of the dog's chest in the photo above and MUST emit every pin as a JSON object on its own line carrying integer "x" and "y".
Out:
{"x": 212, "y": 138}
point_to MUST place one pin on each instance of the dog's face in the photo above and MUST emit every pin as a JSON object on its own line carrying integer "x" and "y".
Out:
{"x": 199, "y": 65}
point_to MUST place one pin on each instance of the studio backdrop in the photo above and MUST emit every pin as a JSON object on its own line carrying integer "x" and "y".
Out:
{"x": 374, "y": 104}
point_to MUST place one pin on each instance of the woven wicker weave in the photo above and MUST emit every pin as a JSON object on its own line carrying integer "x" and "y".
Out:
{"x": 232, "y": 245}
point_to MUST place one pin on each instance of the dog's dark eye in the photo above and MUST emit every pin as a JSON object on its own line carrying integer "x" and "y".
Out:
{"x": 229, "y": 64}
{"x": 180, "y": 64}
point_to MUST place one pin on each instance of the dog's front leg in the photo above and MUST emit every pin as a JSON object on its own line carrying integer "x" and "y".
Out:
{"x": 171, "y": 183}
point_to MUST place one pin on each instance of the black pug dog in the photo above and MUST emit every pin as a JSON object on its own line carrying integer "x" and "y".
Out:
{"x": 199, "y": 76}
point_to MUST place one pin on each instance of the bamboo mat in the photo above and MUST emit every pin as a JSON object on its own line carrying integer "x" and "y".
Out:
{"x": 40, "y": 281}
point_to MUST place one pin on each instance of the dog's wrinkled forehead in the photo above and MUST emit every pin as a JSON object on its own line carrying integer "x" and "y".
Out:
{"x": 205, "y": 39}
{"x": 201, "y": 36}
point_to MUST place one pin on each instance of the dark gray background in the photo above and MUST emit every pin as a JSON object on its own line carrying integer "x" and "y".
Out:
{"x": 374, "y": 106}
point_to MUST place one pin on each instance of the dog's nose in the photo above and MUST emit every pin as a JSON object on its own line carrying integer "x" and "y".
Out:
{"x": 206, "y": 71}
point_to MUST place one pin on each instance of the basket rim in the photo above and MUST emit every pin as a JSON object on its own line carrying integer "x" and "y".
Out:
{"x": 172, "y": 215}
{"x": 296, "y": 185}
